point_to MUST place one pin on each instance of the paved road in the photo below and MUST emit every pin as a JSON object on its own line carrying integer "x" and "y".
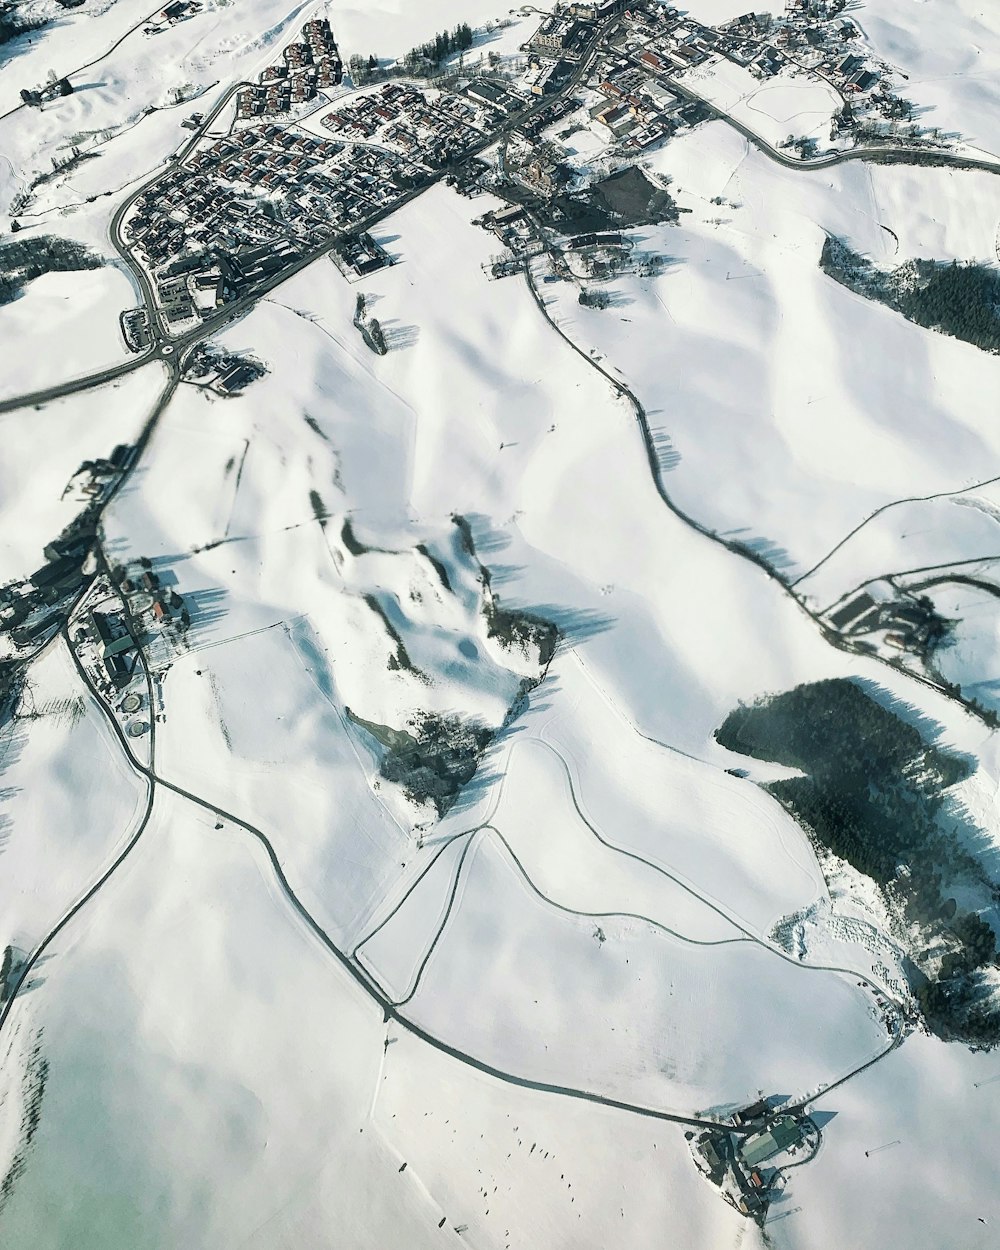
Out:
{"x": 881, "y": 153}
{"x": 70, "y": 387}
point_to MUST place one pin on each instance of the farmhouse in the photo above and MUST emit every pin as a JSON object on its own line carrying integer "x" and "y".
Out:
{"x": 783, "y": 1134}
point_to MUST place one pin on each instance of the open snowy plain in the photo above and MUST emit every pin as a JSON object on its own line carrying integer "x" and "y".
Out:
{"x": 395, "y": 889}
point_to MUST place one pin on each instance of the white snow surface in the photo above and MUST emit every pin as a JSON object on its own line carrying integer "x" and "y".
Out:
{"x": 304, "y": 1005}
{"x": 72, "y": 429}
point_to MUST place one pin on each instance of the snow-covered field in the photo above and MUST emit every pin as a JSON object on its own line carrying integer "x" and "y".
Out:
{"x": 69, "y": 805}
{"x": 72, "y": 429}
{"x": 793, "y": 103}
{"x": 805, "y": 431}
{"x": 950, "y": 56}
{"x": 308, "y": 1006}
{"x": 47, "y": 315}
{"x": 255, "y": 719}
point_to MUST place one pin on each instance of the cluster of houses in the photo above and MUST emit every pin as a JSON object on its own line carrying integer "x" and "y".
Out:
{"x": 665, "y": 42}
{"x": 114, "y": 645}
{"x": 518, "y": 233}
{"x": 106, "y": 633}
{"x": 651, "y": 43}
{"x": 429, "y": 127}
{"x": 240, "y": 209}
{"x": 564, "y": 33}
{"x": 151, "y": 599}
{"x": 808, "y": 33}
{"x": 883, "y": 615}
{"x": 636, "y": 107}
{"x": 854, "y": 76}
{"x": 176, "y": 11}
{"x": 556, "y": 46}
{"x": 226, "y": 373}
{"x": 743, "y": 1163}
{"x": 362, "y": 254}
{"x": 305, "y": 68}
{"x": 32, "y": 609}
{"x": 670, "y": 43}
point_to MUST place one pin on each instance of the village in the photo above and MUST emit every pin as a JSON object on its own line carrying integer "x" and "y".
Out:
{"x": 243, "y": 207}
{"x": 309, "y": 161}
{"x": 640, "y": 96}
{"x": 106, "y": 613}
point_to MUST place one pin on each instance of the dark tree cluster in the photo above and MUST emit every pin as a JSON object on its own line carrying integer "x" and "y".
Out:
{"x": 438, "y": 758}
{"x": 363, "y": 70}
{"x": 962, "y": 300}
{"x": 594, "y": 299}
{"x": 22, "y": 260}
{"x": 13, "y": 23}
{"x": 439, "y": 48}
{"x": 512, "y": 627}
{"x": 956, "y": 1008}
{"x": 872, "y": 786}
{"x": 872, "y": 791}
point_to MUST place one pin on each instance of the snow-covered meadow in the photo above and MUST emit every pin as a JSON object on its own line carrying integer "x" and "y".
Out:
{"x": 308, "y": 1002}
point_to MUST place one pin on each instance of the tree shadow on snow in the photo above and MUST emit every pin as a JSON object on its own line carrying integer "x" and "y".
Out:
{"x": 488, "y": 538}
{"x": 667, "y": 455}
{"x": 575, "y": 625}
{"x": 762, "y": 550}
{"x": 206, "y": 608}
{"x": 399, "y": 336}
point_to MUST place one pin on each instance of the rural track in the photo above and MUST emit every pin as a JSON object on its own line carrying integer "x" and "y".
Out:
{"x": 887, "y": 507}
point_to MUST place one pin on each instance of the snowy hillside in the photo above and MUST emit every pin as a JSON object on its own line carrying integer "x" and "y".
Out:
{"x": 499, "y": 625}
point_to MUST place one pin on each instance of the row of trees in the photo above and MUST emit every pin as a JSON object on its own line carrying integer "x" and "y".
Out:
{"x": 420, "y": 60}
{"x": 362, "y": 70}
{"x": 431, "y": 54}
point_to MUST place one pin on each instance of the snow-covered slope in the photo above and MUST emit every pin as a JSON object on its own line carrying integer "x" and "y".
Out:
{"x": 445, "y": 916}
